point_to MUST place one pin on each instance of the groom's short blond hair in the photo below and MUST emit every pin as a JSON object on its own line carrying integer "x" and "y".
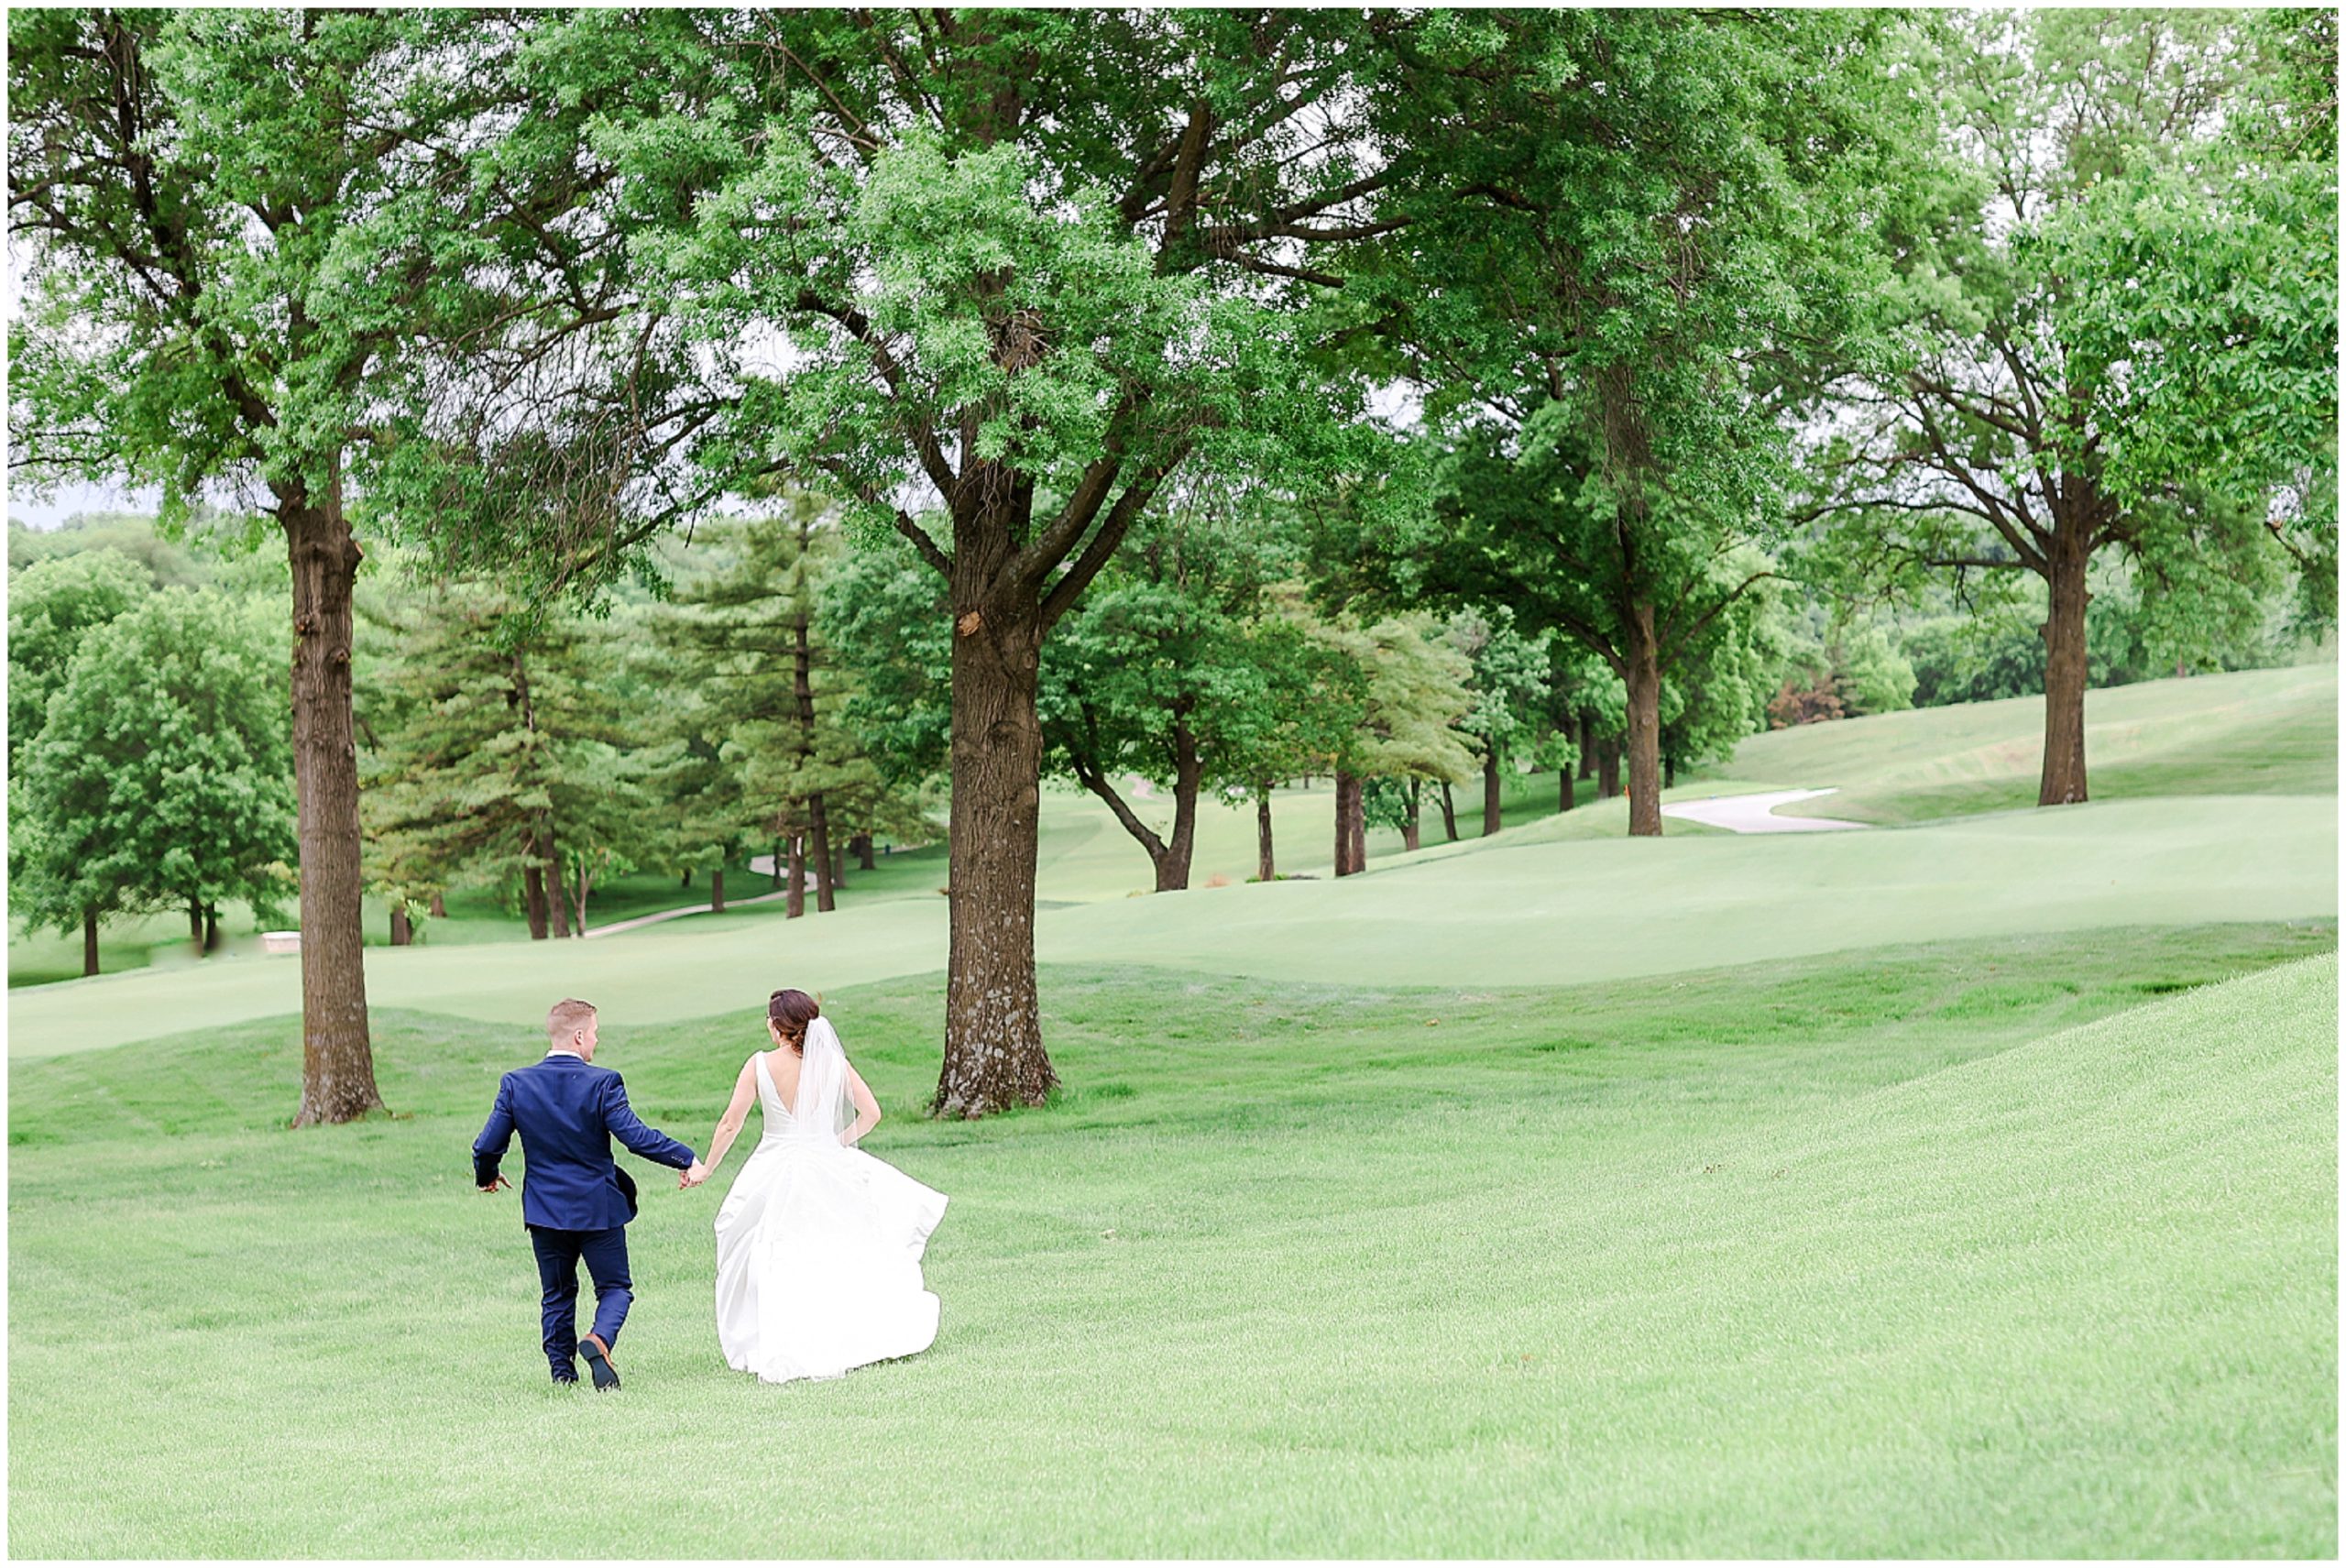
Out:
{"x": 569, "y": 1016}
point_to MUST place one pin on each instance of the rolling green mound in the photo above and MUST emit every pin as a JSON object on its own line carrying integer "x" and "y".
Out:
{"x": 2022, "y": 1247}
{"x": 2249, "y": 732}
{"x": 1510, "y": 913}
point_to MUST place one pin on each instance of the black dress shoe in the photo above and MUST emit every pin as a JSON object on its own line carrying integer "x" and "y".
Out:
{"x": 598, "y": 1362}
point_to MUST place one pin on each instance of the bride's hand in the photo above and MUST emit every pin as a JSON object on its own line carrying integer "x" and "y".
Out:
{"x": 694, "y": 1177}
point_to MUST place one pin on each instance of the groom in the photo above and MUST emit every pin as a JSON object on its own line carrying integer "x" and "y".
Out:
{"x": 575, "y": 1200}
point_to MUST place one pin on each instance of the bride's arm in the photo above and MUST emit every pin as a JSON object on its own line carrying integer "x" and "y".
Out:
{"x": 728, "y": 1126}
{"x": 867, "y": 1110}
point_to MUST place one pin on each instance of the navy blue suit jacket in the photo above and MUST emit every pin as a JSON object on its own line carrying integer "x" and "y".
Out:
{"x": 567, "y": 1111}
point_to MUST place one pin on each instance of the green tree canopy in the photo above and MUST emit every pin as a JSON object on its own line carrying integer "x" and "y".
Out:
{"x": 162, "y": 773}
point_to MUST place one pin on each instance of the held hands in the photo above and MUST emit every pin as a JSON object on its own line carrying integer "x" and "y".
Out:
{"x": 694, "y": 1177}
{"x": 497, "y": 1186}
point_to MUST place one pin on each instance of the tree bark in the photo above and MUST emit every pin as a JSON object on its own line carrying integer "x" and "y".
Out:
{"x": 1644, "y": 681}
{"x": 1608, "y": 767}
{"x": 2063, "y": 782}
{"x": 439, "y": 905}
{"x": 1410, "y": 823}
{"x": 1359, "y": 819}
{"x": 89, "y": 942}
{"x": 1490, "y": 790}
{"x": 1564, "y": 788}
{"x": 1588, "y": 749}
{"x": 1173, "y": 868}
{"x": 688, "y": 879}
{"x": 1449, "y": 813}
{"x": 195, "y": 923}
{"x": 778, "y": 857}
{"x": 1347, "y": 787}
{"x": 819, "y": 834}
{"x": 716, "y": 891}
{"x": 337, "y": 1056}
{"x": 556, "y": 895}
{"x": 795, "y": 905}
{"x": 402, "y": 933}
{"x": 1670, "y": 770}
{"x": 1266, "y": 865}
{"x": 211, "y": 927}
{"x": 533, "y": 899}
{"x": 994, "y": 1030}
{"x": 861, "y": 845}
{"x": 585, "y": 882}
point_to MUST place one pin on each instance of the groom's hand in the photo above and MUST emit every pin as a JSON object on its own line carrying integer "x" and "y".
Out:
{"x": 694, "y": 1177}
{"x": 497, "y": 1186}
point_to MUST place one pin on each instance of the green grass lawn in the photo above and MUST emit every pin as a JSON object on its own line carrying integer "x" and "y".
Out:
{"x": 2259, "y": 732}
{"x": 1531, "y": 906}
{"x": 2247, "y": 733}
{"x": 2012, "y": 1246}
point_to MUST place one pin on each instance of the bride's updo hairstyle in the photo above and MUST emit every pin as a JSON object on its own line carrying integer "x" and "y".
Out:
{"x": 791, "y": 1012}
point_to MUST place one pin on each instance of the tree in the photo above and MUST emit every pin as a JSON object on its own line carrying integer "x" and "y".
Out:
{"x": 1030, "y": 263}
{"x": 185, "y": 183}
{"x": 53, "y": 605}
{"x": 500, "y": 759}
{"x": 1640, "y": 226}
{"x": 160, "y": 773}
{"x": 2032, "y": 420}
{"x": 1171, "y": 668}
{"x": 2207, "y": 284}
{"x": 1510, "y": 678}
{"x": 1411, "y": 693}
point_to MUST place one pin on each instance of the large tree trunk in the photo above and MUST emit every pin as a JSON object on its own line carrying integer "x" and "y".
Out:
{"x": 819, "y": 839}
{"x": 1490, "y": 789}
{"x": 195, "y": 922}
{"x": 211, "y": 927}
{"x": 1564, "y": 788}
{"x": 1608, "y": 767}
{"x": 717, "y": 890}
{"x": 439, "y": 905}
{"x": 1410, "y": 823}
{"x": 2064, "y": 778}
{"x": 993, "y": 1028}
{"x": 89, "y": 942}
{"x": 1449, "y": 813}
{"x": 533, "y": 899}
{"x": 1266, "y": 865}
{"x": 401, "y": 932}
{"x": 1644, "y": 681}
{"x": 861, "y": 845}
{"x": 795, "y": 905}
{"x": 1173, "y": 869}
{"x": 337, "y": 1058}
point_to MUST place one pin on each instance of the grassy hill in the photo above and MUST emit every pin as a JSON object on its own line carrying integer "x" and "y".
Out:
{"x": 2012, "y": 1247}
{"x": 2250, "y": 732}
{"x": 1500, "y": 912}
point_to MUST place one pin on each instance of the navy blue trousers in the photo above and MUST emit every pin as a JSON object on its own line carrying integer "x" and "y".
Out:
{"x": 558, "y": 1255}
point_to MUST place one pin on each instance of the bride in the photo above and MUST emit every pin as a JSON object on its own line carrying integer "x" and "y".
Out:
{"x": 818, "y": 1245}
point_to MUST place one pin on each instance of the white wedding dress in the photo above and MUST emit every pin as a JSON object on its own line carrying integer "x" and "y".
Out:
{"x": 818, "y": 1246}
